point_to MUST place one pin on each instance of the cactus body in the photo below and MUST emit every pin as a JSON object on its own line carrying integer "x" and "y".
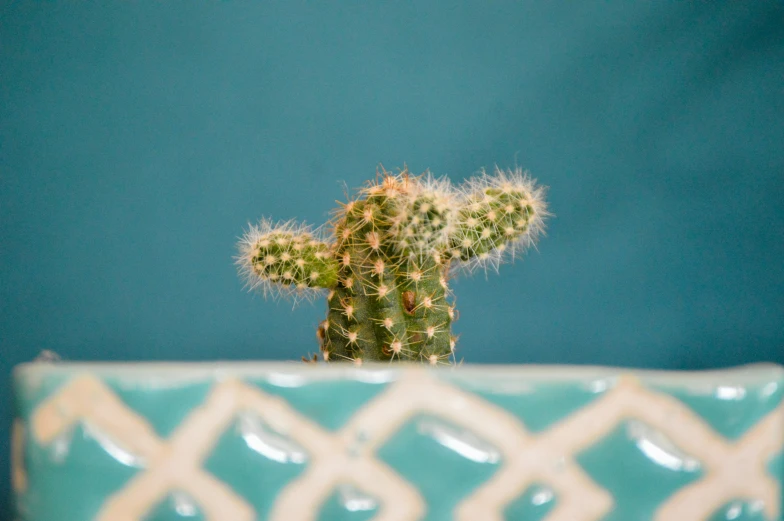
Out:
{"x": 387, "y": 266}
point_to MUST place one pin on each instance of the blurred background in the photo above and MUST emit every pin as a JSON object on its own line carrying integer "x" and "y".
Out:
{"x": 138, "y": 140}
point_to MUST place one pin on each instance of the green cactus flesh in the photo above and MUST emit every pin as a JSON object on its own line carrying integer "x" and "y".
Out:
{"x": 393, "y": 250}
{"x": 387, "y": 304}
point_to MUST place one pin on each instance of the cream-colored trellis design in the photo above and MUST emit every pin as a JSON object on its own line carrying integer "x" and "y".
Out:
{"x": 18, "y": 472}
{"x": 731, "y": 469}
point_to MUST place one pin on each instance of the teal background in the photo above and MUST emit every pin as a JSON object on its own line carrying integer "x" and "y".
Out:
{"x": 137, "y": 140}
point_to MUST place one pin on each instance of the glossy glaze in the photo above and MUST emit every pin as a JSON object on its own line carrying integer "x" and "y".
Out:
{"x": 277, "y": 441}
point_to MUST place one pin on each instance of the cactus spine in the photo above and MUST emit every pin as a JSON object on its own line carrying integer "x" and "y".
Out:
{"x": 393, "y": 249}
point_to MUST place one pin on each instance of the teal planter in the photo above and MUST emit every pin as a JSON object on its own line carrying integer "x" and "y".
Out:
{"x": 296, "y": 442}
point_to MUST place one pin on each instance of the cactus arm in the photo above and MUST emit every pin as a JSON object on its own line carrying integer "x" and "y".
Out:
{"x": 287, "y": 258}
{"x": 499, "y": 214}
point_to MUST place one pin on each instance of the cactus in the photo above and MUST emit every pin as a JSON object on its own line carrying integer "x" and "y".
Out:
{"x": 390, "y": 256}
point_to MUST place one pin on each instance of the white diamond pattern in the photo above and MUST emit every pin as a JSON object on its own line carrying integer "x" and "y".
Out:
{"x": 731, "y": 469}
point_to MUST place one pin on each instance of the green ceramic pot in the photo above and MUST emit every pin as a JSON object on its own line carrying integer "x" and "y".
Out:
{"x": 297, "y": 442}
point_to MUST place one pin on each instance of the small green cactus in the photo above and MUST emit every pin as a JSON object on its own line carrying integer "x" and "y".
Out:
{"x": 391, "y": 253}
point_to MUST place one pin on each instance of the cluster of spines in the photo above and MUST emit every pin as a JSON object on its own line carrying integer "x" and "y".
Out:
{"x": 393, "y": 251}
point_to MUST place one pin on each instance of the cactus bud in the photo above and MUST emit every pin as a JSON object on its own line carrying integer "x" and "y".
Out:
{"x": 424, "y": 217}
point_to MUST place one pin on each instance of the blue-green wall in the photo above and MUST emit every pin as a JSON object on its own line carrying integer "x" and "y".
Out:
{"x": 137, "y": 139}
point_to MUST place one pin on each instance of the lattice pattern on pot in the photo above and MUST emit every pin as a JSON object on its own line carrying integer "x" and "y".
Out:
{"x": 731, "y": 469}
